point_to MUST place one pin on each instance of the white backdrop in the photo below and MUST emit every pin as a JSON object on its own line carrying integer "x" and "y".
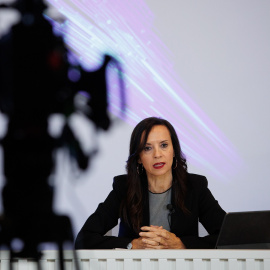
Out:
{"x": 220, "y": 54}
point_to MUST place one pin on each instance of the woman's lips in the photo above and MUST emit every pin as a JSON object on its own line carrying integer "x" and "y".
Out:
{"x": 159, "y": 165}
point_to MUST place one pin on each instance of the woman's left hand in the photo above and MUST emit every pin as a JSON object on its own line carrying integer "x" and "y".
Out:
{"x": 158, "y": 238}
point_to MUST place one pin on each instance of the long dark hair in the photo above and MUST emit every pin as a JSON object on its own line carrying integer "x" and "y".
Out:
{"x": 131, "y": 209}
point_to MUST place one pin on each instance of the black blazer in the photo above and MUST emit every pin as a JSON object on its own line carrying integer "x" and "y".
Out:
{"x": 199, "y": 201}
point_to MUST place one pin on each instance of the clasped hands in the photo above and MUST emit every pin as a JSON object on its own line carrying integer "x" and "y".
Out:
{"x": 155, "y": 237}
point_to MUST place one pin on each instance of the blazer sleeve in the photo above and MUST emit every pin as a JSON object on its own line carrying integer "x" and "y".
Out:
{"x": 91, "y": 235}
{"x": 208, "y": 212}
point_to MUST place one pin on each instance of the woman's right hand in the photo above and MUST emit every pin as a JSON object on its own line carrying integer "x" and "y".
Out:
{"x": 138, "y": 243}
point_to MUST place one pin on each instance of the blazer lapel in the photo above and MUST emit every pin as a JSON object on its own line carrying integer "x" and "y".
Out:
{"x": 146, "y": 212}
{"x": 179, "y": 220}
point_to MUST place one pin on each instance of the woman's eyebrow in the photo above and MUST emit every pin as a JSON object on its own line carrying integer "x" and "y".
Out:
{"x": 148, "y": 143}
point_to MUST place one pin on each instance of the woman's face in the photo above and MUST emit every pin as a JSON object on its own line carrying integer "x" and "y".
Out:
{"x": 157, "y": 155}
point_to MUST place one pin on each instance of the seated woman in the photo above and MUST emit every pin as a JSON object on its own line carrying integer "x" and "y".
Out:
{"x": 158, "y": 202}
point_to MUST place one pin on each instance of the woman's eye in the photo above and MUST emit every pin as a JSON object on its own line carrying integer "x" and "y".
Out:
{"x": 147, "y": 148}
{"x": 164, "y": 145}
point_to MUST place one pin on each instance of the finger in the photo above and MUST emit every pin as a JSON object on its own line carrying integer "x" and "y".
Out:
{"x": 161, "y": 241}
{"x": 156, "y": 246}
{"x": 145, "y": 228}
{"x": 153, "y": 247}
{"x": 148, "y": 234}
{"x": 152, "y": 228}
{"x": 158, "y": 227}
{"x": 150, "y": 242}
{"x": 163, "y": 233}
{"x": 155, "y": 241}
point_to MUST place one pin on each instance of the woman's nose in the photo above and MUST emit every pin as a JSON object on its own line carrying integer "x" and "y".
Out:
{"x": 157, "y": 153}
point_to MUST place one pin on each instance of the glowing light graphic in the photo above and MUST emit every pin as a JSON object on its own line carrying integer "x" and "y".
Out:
{"x": 125, "y": 30}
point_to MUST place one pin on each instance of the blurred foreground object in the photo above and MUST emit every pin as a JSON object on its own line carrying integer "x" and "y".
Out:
{"x": 37, "y": 81}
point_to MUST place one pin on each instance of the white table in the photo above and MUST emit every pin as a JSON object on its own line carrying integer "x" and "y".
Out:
{"x": 147, "y": 260}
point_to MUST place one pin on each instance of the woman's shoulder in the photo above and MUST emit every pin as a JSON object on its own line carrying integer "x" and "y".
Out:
{"x": 120, "y": 182}
{"x": 120, "y": 179}
{"x": 196, "y": 180}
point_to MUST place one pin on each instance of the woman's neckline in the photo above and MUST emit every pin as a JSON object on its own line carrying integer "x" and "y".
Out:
{"x": 160, "y": 192}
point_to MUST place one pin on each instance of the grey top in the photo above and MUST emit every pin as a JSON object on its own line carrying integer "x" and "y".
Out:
{"x": 159, "y": 214}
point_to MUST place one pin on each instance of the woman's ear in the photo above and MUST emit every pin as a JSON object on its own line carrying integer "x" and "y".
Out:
{"x": 139, "y": 161}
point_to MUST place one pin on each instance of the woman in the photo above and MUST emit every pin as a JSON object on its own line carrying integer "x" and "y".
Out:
{"x": 158, "y": 202}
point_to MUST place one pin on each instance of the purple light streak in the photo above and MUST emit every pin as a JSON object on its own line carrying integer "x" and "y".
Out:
{"x": 125, "y": 30}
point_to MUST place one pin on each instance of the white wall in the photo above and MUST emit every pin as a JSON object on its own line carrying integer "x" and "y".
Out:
{"x": 221, "y": 54}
